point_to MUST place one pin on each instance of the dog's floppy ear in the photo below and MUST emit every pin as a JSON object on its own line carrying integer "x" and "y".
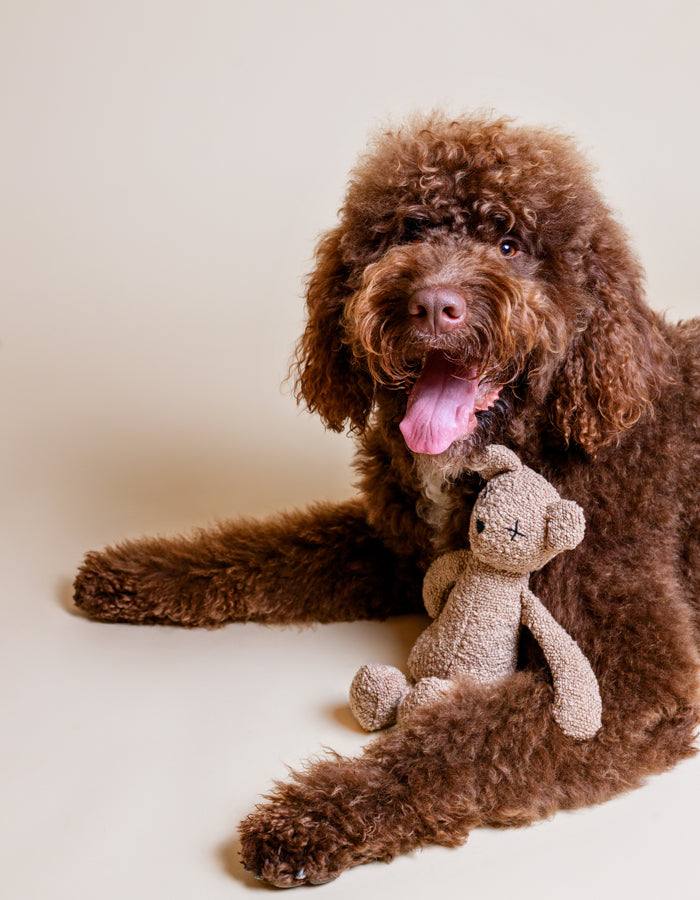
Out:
{"x": 328, "y": 378}
{"x": 615, "y": 364}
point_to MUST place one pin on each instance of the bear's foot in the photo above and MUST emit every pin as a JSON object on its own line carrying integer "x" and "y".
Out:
{"x": 375, "y": 694}
{"x": 425, "y": 691}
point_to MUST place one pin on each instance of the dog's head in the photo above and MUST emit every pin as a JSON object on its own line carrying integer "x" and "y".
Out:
{"x": 475, "y": 268}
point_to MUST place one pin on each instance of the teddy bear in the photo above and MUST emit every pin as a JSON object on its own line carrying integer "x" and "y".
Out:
{"x": 479, "y": 598}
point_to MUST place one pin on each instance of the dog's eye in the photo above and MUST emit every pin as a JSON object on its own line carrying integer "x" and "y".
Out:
{"x": 508, "y": 246}
{"x": 480, "y": 526}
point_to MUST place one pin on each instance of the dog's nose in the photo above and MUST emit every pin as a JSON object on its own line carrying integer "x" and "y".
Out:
{"x": 437, "y": 310}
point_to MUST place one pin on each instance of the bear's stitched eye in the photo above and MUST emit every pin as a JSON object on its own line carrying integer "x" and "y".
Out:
{"x": 480, "y": 526}
{"x": 509, "y": 247}
{"x": 515, "y": 531}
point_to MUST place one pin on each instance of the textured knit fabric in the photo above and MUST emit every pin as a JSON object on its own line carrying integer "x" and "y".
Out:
{"x": 479, "y": 598}
{"x": 375, "y": 695}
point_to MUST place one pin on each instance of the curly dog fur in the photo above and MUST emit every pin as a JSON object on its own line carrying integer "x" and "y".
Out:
{"x": 597, "y": 392}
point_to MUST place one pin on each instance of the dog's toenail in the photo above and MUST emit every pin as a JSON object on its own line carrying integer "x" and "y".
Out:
{"x": 301, "y": 874}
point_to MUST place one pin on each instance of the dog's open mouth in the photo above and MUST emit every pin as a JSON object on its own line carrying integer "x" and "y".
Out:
{"x": 443, "y": 403}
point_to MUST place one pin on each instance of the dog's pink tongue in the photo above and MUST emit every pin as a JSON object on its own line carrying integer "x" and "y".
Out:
{"x": 440, "y": 407}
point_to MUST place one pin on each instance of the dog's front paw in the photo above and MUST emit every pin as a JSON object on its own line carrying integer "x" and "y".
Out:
{"x": 287, "y": 846}
{"x": 138, "y": 582}
{"x": 160, "y": 581}
{"x": 107, "y": 590}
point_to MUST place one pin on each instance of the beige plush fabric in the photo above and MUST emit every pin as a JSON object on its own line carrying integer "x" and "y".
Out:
{"x": 577, "y": 705}
{"x": 375, "y": 695}
{"x": 479, "y": 598}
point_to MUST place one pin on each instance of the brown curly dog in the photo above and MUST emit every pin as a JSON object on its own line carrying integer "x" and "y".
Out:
{"x": 476, "y": 289}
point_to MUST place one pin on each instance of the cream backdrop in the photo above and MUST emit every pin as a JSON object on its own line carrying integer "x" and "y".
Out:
{"x": 166, "y": 167}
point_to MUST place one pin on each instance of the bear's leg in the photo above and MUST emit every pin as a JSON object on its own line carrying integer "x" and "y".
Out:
{"x": 425, "y": 691}
{"x": 375, "y": 694}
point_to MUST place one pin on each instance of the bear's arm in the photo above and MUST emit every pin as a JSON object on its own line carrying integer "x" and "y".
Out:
{"x": 441, "y": 577}
{"x": 577, "y": 704}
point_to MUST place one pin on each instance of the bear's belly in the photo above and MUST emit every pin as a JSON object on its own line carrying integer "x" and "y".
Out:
{"x": 476, "y": 634}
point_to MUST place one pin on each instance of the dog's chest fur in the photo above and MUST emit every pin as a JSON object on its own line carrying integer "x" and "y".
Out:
{"x": 442, "y": 502}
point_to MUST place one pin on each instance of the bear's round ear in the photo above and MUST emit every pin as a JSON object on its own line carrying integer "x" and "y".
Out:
{"x": 565, "y": 525}
{"x": 494, "y": 460}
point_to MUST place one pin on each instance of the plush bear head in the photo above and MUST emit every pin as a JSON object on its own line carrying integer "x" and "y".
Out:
{"x": 519, "y": 521}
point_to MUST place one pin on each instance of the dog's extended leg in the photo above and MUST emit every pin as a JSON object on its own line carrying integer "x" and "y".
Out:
{"x": 490, "y": 755}
{"x": 324, "y": 564}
